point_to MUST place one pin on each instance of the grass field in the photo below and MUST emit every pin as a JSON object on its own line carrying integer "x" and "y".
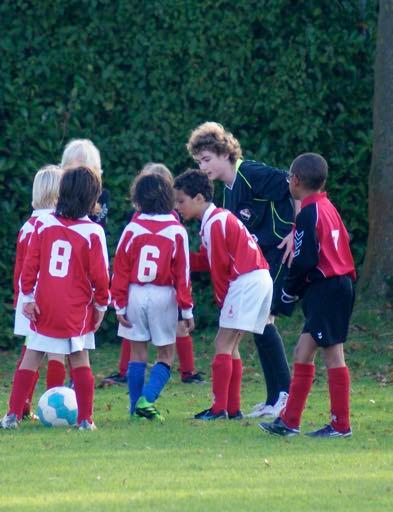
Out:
{"x": 193, "y": 466}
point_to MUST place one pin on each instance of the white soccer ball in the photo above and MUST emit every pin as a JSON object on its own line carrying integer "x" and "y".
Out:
{"x": 58, "y": 408}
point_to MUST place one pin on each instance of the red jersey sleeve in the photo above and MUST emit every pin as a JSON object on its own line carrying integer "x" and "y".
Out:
{"x": 121, "y": 272}
{"x": 31, "y": 264}
{"x": 181, "y": 273}
{"x": 99, "y": 271}
{"x": 199, "y": 260}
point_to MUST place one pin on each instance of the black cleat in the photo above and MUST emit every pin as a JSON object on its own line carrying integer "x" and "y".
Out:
{"x": 237, "y": 416}
{"x": 208, "y": 415}
{"x": 278, "y": 428}
{"x": 114, "y": 379}
{"x": 192, "y": 378}
{"x": 328, "y": 431}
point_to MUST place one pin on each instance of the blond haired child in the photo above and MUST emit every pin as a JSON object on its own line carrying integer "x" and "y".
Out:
{"x": 44, "y": 198}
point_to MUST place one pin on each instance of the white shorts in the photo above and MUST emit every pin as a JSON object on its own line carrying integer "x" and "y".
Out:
{"x": 21, "y": 323}
{"x": 248, "y": 301}
{"x": 42, "y": 343}
{"x": 152, "y": 311}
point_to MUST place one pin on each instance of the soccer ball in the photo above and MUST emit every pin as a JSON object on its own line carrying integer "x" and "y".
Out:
{"x": 58, "y": 408}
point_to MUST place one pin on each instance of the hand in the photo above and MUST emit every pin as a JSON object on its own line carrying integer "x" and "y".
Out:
{"x": 189, "y": 324}
{"x": 287, "y": 244}
{"x": 98, "y": 318}
{"x": 31, "y": 311}
{"x": 123, "y": 320}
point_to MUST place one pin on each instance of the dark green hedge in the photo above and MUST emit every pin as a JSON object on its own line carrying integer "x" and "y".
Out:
{"x": 136, "y": 77}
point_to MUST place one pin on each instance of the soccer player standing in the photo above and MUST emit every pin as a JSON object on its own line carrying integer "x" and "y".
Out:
{"x": 151, "y": 280}
{"x": 242, "y": 286}
{"x": 321, "y": 274}
{"x": 259, "y": 196}
{"x": 44, "y": 197}
{"x": 64, "y": 283}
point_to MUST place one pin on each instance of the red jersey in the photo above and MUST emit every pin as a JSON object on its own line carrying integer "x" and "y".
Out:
{"x": 21, "y": 247}
{"x": 321, "y": 245}
{"x": 67, "y": 262}
{"x": 153, "y": 249}
{"x": 227, "y": 251}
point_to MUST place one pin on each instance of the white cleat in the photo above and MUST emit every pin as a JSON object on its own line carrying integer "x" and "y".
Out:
{"x": 9, "y": 422}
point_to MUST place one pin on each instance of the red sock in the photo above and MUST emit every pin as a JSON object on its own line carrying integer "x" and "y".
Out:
{"x": 235, "y": 386}
{"x": 303, "y": 375}
{"x": 29, "y": 399}
{"x": 221, "y": 378}
{"x": 339, "y": 388}
{"x": 84, "y": 390}
{"x": 125, "y": 356}
{"x": 23, "y": 382}
{"x": 56, "y": 374}
{"x": 185, "y": 353}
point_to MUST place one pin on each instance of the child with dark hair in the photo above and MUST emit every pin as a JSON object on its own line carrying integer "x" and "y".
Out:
{"x": 151, "y": 280}
{"x": 184, "y": 342}
{"x": 321, "y": 275}
{"x": 64, "y": 283}
{"x": 242, "y": 285}
{"x": 259, "y": 196}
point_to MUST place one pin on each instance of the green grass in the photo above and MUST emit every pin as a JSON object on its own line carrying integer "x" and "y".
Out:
{"x": 187, "y": 465}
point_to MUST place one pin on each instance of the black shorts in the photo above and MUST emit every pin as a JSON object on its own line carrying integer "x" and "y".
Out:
{"x": 327, "y": 307}
{"x": 278, "y": 272}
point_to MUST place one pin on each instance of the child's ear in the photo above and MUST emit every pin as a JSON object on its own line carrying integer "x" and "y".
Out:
{"x": 200, "y": 198}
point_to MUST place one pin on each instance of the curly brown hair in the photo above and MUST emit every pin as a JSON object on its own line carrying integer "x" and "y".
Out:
{"x": 211, "y": 136}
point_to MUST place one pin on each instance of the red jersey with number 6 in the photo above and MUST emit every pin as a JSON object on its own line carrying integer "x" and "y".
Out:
{"x": 153, "y": 249}
{"x": 67, "y": 261}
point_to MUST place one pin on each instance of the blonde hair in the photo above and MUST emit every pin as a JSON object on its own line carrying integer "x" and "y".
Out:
{"x": 211, "y": 136}
{"x": 46, "y": 187}
{"x": 81, "y": 152}
{"x": 158, "y": 168}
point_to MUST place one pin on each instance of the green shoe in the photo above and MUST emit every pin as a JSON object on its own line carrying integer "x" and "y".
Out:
{"x": 134, "y": 417}
{"x": 145, "y": 409}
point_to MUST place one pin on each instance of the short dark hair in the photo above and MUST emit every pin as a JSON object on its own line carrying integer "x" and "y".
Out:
{"x": 80, "y": 188}
{"x": 152, "y": 193}
{"x": 311, "y": 169}
{"x": 193, "y": 182}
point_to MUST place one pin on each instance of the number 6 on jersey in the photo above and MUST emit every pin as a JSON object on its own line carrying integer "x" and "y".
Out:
{"x": 147, "y": 269}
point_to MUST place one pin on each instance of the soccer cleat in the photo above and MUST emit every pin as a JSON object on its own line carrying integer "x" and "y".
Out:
{"x": 280, "y": 404}
{"x": 261, "y": 410}
{"x": 328, "y": 431}
{"x": 113, "y": 379}
{"x": 135, "y": 417}
{"x": 208, "y": 415}
{"x": 145, "y": 409}
{"x": 237, "y": 416}
{"x": 30, "y": 416}
{"x": 86, "y": 425}
{"x": 278, "y": 428}
{"x": 192, "y": 378}
{"x": 9, "y": 422}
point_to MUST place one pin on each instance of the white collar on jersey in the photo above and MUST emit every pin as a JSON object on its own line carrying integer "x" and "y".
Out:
{"x": 161, "y": 217}
{"x": 207, "y": 214}
{"x": 42, "y": 211}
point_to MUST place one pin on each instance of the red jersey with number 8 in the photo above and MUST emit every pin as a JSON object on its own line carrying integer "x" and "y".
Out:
{"x": 67, "y": 261}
